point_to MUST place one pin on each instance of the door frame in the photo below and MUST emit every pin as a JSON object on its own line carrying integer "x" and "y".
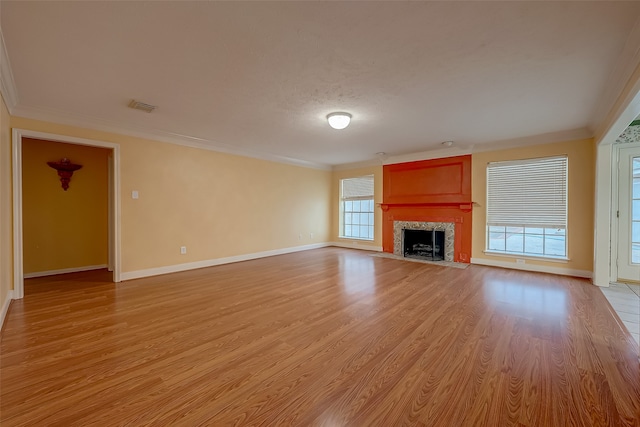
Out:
{"x": 114, "y": 200}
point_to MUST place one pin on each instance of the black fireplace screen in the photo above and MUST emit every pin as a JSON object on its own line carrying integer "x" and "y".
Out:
{"x": 423, "y": 244}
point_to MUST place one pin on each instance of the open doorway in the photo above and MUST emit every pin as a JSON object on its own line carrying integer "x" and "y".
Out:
{"x": 626, "y": 202}
{"x": 21, "y": 139}
{"x": 64, "y": 223}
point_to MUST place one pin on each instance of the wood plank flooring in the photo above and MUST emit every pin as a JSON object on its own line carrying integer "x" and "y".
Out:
{"x": 329, "y": 337}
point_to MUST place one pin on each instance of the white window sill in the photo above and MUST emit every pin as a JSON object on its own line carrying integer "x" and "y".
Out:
{"x": 528, "y": 256}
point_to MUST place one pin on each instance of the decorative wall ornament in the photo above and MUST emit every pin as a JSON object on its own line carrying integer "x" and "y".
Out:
{"x": 630, "y": 134}
{"x": 65, "y": 171}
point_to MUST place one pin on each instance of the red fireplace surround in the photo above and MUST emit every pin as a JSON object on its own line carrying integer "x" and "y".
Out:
{"x": 429, "y": 191}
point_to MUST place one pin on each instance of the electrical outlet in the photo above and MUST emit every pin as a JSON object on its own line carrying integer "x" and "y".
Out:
{"x": 520, "y": 261}
{"x": 300, "y": 236}
{"x": 183, "y": 250}
{"x": 134, "y": 194}
{"x": 311, "y": 235}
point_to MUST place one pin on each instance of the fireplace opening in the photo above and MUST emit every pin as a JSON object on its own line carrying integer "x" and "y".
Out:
{"x": 423, "y": 244}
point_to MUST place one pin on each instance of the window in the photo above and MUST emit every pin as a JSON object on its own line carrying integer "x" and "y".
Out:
{"x": 527, "y": 207}
{"x": 357, "y": 207}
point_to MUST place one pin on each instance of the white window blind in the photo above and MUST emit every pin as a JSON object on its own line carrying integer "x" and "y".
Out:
{"x": 529, "y": 193}
{"x": 357, "y": 188}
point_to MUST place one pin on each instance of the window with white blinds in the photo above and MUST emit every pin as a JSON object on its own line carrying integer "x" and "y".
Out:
{"x": 527, "y": 206}
{"x": 357, "y": 207}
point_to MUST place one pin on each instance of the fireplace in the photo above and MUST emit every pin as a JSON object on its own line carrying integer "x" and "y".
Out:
{"x": 433, "y": 194}
{"x": 423, "y": 244}
{"x": 444, "y": 239}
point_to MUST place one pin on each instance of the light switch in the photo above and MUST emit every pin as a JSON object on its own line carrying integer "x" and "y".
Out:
{"x": 134, "y": 194}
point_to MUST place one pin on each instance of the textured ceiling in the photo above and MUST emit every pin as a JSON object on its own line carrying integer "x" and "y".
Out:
{"x": 260, "y": 77}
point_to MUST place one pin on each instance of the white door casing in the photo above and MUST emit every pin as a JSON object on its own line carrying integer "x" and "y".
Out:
{"x": 114, "y": 199}
{"x": 629, "y": 214}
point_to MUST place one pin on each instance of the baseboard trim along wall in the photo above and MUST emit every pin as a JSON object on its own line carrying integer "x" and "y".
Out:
{"x": 356, "y": 245}
{"x": 533, "y": 267}
{"x": 63, "y": 271}
{"x": 5, "y": 308}
{"x": 129, "y": 275}
{"x": 138, "y": 274}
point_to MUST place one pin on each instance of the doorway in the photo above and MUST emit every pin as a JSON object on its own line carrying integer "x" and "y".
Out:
{"x": 113, "y": 201}
{"x": 628, "y": 213}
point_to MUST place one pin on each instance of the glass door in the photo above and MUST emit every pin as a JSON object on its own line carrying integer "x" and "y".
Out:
{"x": 629, "y": 214}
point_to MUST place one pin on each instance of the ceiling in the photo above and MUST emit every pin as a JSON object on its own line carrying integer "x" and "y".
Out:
{"x": 259, "y": 78}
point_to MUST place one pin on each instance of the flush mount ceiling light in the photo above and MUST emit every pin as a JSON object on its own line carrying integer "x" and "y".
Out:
{"x": 339, "y": 120}
{"x": 447, "y": 143}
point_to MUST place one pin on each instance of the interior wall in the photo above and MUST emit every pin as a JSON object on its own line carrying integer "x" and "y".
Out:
{"x": 64, "y": 229}
{"x": 6, "y": 239}
{"x": 581, "y": 185}
{"x": 217, "y": 205}
{"x": 338, "y": 175}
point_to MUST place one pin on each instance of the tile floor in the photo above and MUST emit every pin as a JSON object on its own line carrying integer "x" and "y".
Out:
{"x": 625, "y": 300}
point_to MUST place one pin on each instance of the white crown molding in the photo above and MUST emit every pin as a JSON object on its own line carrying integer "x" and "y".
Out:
{"x": 533, "y": 267}
{"x": 545, "y": 138}
{"x": 439, "y": 153}
{"x": 7, "y": 84}
{"x": 63, "y": 271}
{"x": 403, "y": 158}
{"x": 59, "y": 117}
{"x": 620, "y": 87}
{"x": 428, "y": 155}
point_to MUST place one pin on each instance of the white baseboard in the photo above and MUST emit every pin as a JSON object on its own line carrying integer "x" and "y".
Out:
{"x": 355, "y": 245}
{"x": 5, "y": 308}
{"x": 129, "y": 275}
{"x": 533, "y": 267}
{"x": 63, "y": 271}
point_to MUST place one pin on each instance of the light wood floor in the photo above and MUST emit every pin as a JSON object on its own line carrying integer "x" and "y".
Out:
{"x": 331, "y": 337}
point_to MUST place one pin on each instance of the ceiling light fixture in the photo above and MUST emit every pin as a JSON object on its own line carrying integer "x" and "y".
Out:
{"x": 447, "y": 143}
{"x": 339, "y": 120}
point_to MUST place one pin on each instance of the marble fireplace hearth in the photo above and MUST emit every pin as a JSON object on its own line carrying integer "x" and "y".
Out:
{"x": 447, "y": 227}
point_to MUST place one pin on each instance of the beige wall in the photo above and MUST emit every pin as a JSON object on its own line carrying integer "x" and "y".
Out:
{"x": 376, "y": 171}
{"x": 6, "y": 241}
{"x": 64, "y": 229}
{"x": 581, "y": 182}
{"x": 217, "y": 205}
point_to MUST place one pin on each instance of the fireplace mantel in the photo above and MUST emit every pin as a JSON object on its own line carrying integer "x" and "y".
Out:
{"x": 466, "y": 207}
{"x": 429, "y": 191}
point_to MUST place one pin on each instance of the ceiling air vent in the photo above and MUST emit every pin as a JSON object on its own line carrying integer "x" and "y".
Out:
{"x": 137, "y": 105}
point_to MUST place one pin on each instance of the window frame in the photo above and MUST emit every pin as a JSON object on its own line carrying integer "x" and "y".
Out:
{"x": 544, "y": 230}
{"x": 343, "y": 212}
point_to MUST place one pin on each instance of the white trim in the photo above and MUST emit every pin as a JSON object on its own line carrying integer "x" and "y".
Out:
{"x": 356, "y": 244}
{"x": 5, "y": 308}
{"x": 533, "y": 267}
{"x": 18, "y": 134}
{"x": 439, "y": 152}
{"x": 613, "y": 113}
{"x": 59, "y": 117}
{"x": 18, "y": 280}
{"x": 63, "y": 271}
{"x": 130, "y": 275}
{"x": 521, "y": 255}
{"x": 7, "y": 84}
{"x": 541, "y": 139}
{"x": 613, "y": 157}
